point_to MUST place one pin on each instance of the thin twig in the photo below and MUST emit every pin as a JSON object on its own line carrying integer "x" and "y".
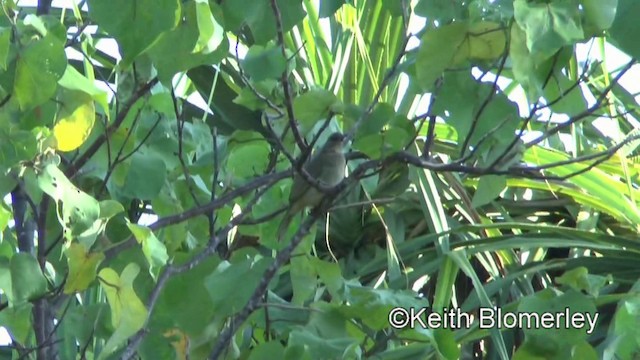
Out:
{"x": 171, "y": 270}
{"x": 86, "y": 156}
{"x": 265, "y": 180}
{"x": 385, "y": 82}
{"x": 288, "y": 101}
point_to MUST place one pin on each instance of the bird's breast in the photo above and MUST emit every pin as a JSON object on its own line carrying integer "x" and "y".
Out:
{"x": 333, "y": 170}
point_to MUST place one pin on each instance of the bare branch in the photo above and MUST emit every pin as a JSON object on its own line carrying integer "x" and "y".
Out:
{"x": 284, "y": 80}
{"x": 589, "y": 110}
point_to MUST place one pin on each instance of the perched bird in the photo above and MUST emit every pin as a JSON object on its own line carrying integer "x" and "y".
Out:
{"x": 327, "y": 166}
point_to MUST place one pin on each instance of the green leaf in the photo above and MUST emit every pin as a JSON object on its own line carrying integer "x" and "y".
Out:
{"x": 584, "y": 351}
{"x": 447, "y": 345}
{"x": 313, "y": 106}
{"x": 303, "y": 279}
{"x": 579, "y": 279}
{"x": 108, "y": 208}
{"x": 27, "y": 280}
{"x": 329, "y": 7}
{"x": 154, "y": 251}
{"x": 178, "y": 50}
{"x": 395, "y": 139}
{"x": 248, "y": 154}
{"x": 248, "y": 98}
{"x": 549, "y": 26}
{"x": 40, "y": 66}
{"x": 83, "y": 267}
{"x": 73, "y": 80}
{"x": 210, "y": 32}
{"x": 371, "y": 145}
{"x": 498, "y": 119}
{"x": 485, "y": 40}
{"x": 146, "y": 176}
{"x": 564, "y": 96}
{"x": 258, "y": 15}
{"x": 330, "y": 275}
{"x": 489, "y": 188}
{"x": 227, "y": 115}
{"x": 128, "y": 313}
{"x": 524, "y": 64}
{"x": 600, "y": 13}
{"x": 626, "y": 27}
{"x": 408, "y": 352}
{"x": 380, "y": 116}
{"x": 185, "y": 305}
{"x": 262, "y": 63}
{"x": 5, "y": 276}
{"x": 240, "y": 277}
{"x": 17, "y": 321}
{"x": 441, "y": 10}
{"x": 545, "y": 302}
{"x": 5, "y": 215}
{"x": 326, "y": 333}
{"x": 267, "y": 351}
{"x": 395, "y": 8}
{"x": 437, "y": 52}
{"x": 135, "y": 24}
{"x": 373, "y": 305}
{"x": 623, "y": 340}
{"x": 393, "y": 181}
{"x": 5, "y": 42}
{"x": 79, "y": 210}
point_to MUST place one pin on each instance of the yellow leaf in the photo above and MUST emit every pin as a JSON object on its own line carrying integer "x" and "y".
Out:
{"x": 180, "y": 342}
{"x": 75, "y": 119}
{"x": 82, "y": 267}
{"x": 482, "y": 41}
{"x": 486, "y": 40}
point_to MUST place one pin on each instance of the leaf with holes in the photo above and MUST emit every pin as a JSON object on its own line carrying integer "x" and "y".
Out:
{"x": 77, "y": 211}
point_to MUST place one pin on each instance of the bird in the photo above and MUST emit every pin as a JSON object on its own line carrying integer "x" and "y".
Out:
{"x": 327, "y": 166}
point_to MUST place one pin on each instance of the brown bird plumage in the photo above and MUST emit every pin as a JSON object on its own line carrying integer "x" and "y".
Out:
{"x": 327, "y": 166}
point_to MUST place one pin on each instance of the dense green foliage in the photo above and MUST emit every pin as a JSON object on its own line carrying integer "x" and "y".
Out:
{"x": 146, "y": 150}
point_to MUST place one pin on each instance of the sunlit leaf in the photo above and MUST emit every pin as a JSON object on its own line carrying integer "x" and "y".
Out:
{"x": 76, "y": 116}
{"x": 135, "y": 24}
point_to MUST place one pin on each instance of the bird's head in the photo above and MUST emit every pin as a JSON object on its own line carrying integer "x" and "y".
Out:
{"x": 334, "y": 142}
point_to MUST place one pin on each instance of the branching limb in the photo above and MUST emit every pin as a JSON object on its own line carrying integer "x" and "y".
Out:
{"x": 172, "y": 270}
{"x": 86, "y": 156}
{"x": 265, "y": 180}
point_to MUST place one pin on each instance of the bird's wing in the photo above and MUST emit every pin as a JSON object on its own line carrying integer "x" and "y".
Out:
{"x": 300, "y": 186}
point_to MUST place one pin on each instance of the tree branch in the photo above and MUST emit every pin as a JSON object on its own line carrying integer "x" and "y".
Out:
{"x": 73, "y": 169}
{"x": 265, "y": 180}
{"x": 171, "y": 270}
